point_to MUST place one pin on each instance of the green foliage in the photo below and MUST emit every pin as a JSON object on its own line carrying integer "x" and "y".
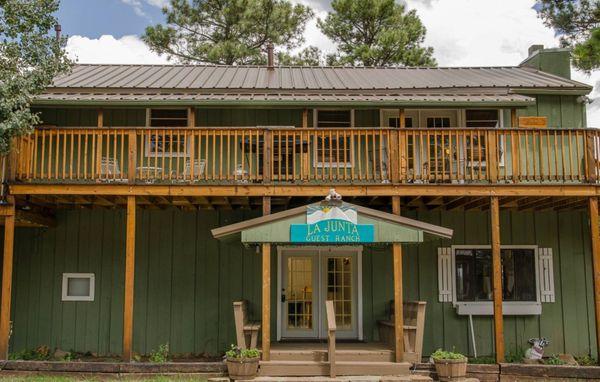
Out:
{"x": 237, "y": 353}
{"x": 376, "y": 33}
{"x": 227, "y": 31}
{"x": 444, "y": 354}
{"x": 41, "y": 353}
{"x": 515, "y": 356}
{"x": 482, "y": 360}
{"x": 578, "y": 24}
{"x": 309, "y": 56}
{"x": 586, "y": 360}
{"x": 161, "y": 355}
{"x": 30, "y": 57}
{"x": 554, "y": 360}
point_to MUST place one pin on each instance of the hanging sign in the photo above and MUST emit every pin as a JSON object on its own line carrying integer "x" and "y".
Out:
{"x": 334, "y": 222}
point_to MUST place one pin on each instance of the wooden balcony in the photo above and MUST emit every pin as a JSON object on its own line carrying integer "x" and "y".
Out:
{"x": 286, "y": 155}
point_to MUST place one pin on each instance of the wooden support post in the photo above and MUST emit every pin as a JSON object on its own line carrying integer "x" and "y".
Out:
{"x": 398, "y": 297}
{"x": 129, "y": 280}
{"x": 266, "y": 290}
{"x": 591, "y": 165}
{"x": 497, "y": 278}
{"x": 132, "y": 156}
{"x": 267, "y": 156}
{"x": 595, "y": 237}
{"x": 305, "y": 118}
{"x": 7, "y": 266}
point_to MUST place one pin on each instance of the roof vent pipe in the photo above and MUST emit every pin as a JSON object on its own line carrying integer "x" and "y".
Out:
{"x": 57, "y": 29}
{"x": 270, "y": 63}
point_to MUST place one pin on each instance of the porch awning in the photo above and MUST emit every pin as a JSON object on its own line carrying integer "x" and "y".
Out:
{"x": 330, "y": 222}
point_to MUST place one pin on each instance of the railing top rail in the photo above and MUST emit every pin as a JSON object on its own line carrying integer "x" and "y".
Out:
{"x": 292, "y": 128}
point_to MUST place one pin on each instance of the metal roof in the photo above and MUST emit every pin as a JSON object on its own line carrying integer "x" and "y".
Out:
{"x": 287, "y": 98}
{"x": 211, "y": 77}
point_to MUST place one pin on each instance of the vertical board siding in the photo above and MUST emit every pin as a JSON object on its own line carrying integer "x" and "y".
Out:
{"x": 186, "y": 281}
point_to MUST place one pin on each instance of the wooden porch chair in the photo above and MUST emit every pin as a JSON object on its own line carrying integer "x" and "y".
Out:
{"x": 110, "y": 170}
{"x": 244, "y": 328}
{"x": 414, "y": 325}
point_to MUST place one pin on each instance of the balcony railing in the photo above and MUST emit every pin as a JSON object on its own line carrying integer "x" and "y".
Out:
{"x": 306, "y": 155}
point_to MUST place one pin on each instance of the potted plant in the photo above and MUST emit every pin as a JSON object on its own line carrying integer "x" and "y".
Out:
{"x": 449, "y": 365}
{"x": 242, "y": 363}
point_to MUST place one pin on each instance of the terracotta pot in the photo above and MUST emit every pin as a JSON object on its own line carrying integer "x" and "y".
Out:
{"x": 242, "y": 368}
{"x": 448, "y": 369}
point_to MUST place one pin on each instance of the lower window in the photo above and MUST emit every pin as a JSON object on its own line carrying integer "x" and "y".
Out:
{"x": 474, "y": 274}
{"x": 78, "y": 287}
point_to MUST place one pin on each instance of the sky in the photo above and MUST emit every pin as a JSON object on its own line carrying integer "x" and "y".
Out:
{"x": 462, "y": 33}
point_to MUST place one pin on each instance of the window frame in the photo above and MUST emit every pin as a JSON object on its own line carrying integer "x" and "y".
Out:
{"x": 486, "y": 308}
{"x": 65, "y": 286}
{"x": 147, "y": 140}
{"x": 331, "y": 164}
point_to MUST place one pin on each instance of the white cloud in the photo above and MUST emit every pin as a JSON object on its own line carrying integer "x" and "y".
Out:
{"x": 108, "y": 50}
{"x": 136, "y": 5}
{"x": 158, "y": 3}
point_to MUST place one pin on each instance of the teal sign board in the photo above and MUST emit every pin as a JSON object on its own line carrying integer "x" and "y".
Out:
{"x": 331, "y": 224}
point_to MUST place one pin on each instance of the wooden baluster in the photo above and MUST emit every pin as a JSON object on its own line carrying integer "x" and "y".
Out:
{"x": 330, "y": 155}
{"x": 570, "y": 155}
{"x": 359, "y": 154}
{"x": 562, "y": 156}
{"x": 578, "y": 156}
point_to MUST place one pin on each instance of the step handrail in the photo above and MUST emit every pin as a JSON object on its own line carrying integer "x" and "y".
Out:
{"x": 331, "y": 329}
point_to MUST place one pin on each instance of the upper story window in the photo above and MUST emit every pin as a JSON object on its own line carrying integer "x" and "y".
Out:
{"x": 166, "y": 142}
{"x": 438, "y": 122}
{"x": 395, "y": 122}
{"x": 482, "y": 118}
{"x": 332, "y": 150}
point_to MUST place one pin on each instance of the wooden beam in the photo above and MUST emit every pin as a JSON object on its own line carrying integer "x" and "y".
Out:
{"x": 398, "y": 296}
{"x": 7, "y": 268}
{"x": 266, "y": 290}
{"x": 441, "y": 190}
{"x": 595, "y": 238}
{"x": 129, "y": 280}
{"x": 497, "y": 279}
{"x": 35, "y": 218}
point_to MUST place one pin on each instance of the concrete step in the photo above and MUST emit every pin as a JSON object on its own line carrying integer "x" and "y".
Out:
{"x": 319, "y": 368}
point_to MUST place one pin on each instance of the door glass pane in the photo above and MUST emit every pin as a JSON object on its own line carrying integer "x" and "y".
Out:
{"x": 339, "y": 289}
{"x": 299, "y": 293}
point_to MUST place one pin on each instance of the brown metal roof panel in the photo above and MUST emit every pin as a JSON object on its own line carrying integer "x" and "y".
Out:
{"x": 80, "y": 80}
{"x": 77, "y": 72}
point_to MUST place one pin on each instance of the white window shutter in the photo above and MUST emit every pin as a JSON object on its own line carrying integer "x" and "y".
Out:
{"x": 445, "y": 274}
{"x": 546, "y": 274}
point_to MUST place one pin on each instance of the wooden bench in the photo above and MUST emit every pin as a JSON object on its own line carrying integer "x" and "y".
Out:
{"x": 414, "y": 325}
{"x": 243, "y": 328}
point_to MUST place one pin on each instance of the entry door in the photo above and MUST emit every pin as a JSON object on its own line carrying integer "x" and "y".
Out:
{"x": 299, "y": 294}
{"x": 308, "y": 278}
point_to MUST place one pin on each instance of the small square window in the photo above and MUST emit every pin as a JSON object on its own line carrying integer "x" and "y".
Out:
{"x": 78, "y": 287}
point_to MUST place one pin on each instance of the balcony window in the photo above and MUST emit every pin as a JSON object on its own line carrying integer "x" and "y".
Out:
{"x": 164, "y": 141}
{"x": 331, "y": 149}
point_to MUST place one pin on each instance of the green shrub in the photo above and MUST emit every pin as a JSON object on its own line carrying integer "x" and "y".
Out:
{"x": 41, "y": 353}
{"x": 515, "y": 356}
{"x": 444, "y": 354}
{"x": 237, "y": 353}
{"x": 161, "y": 355}
{"x": 586, "y": 360}
{"x": 554, "y": 360}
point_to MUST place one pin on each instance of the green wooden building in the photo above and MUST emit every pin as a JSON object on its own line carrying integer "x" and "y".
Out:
{"x": 119, "y": 201}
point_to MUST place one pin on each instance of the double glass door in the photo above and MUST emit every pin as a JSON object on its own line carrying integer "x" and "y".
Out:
{"x": 309, "y": 277}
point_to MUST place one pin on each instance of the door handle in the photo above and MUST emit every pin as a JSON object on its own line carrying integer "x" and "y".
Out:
{"x": 283, "y": 298}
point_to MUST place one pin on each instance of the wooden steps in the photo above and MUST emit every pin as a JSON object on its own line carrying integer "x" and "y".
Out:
{"x": 342, "y": 355}
{"x": 318, "y": 368}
